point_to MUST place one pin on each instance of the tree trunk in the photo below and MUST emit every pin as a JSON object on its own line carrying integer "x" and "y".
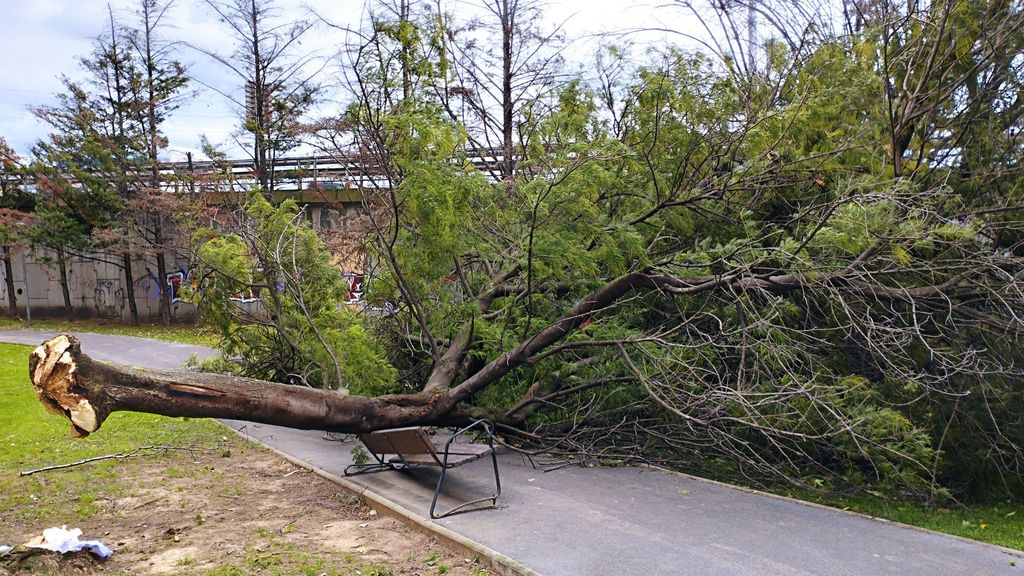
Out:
{"x": 161, "y": 272}
{"x": 64, "y": 290}
{"x": 152, "y": 125}
{"x": 507, "y": 104}
{"x": 85, "y": 391}
{"x": 262, "y": 96}
{"x": 12, "y": 299}
{"x": 129, "y": 289}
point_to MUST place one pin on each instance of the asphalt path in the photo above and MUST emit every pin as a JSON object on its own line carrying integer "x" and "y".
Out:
{"x": 128, "y": 350}
{"x": 624, "y": 521}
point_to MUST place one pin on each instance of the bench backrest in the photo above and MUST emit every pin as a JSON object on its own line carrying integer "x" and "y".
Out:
{"x": 413, "y": 440}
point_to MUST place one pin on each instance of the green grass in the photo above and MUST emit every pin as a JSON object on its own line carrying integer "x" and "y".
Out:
{"x": 32, "y": 438}
{"x": 184, "y": 333}
{"x": 999, "y": 523}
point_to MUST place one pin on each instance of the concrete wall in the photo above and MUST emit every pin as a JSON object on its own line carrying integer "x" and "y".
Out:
{"x": 97, "y": 287}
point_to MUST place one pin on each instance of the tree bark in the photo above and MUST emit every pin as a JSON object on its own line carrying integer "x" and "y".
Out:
{"x": 12, "y": 299}
{"x": 153, "y": 128}
{"x": 129, "y": 288}
{"x": 64, "y": 290}
{"x": 161, "y": 274}
{"x": 508, "y": 16}
{"x": 85, "y": 391}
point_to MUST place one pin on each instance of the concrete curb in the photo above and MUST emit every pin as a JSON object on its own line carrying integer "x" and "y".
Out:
{"x": 501, "y": 563}
{"x": 996, "y": 547}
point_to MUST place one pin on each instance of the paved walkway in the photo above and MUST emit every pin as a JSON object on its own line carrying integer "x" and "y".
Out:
{"x": 624, "y": 521}
{"x": 141, "y": 352}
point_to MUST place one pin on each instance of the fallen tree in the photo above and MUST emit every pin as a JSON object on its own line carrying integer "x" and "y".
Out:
{"x": 72, "y": 384}
{"x": 86, "y": 392}
{"x": 813, "y": 270}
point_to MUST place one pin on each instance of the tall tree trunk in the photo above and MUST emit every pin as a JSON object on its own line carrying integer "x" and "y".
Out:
{"x": 153, "y": 129}
{"x": 161, "y": 273}
{"x": 129, "y": 288}
{"x": 403, "y": 18}
{"x": 73, "y": 385}
{"x": 507, "y": 104}
{"x": 12, "y": 299}
{"x": 191, "y": 169}
{"x": 65, "y": 291}
{"x": 262, "y": 96}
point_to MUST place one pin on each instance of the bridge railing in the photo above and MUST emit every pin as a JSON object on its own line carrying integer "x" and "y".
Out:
{"x": 353, "y": 171}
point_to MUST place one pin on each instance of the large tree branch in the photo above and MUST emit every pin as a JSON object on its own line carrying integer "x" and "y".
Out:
{"x": 85, "y": 391}
{"x": 592, "y": 303}
{"x": 446, "y": 368}
{"x": 610, "y": 293}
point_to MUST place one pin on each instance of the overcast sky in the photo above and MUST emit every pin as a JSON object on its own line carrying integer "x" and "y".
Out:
{"x": 42, "y": 39}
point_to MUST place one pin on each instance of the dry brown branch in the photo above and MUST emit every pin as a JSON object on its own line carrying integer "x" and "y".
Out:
{"x": 118, "y": 456}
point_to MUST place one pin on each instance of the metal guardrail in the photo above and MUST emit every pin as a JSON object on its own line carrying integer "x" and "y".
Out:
{"x": 325, "y": 172}
{"x": 351, "y": 171}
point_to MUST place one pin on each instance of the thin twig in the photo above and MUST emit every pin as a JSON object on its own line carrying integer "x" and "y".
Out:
{"x": 119, "y": 455}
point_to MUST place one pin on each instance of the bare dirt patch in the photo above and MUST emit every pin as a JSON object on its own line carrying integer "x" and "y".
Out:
{"x": 237, "y": 512}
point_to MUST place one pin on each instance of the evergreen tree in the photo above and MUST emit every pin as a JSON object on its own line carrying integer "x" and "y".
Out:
{"x": 160, "y": 86}
{"x": 16, "y": 206}
{"x": 102, "y": 156}
{"x": 75, "y": 197}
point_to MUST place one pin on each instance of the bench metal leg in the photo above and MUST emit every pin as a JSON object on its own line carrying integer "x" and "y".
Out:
{"x": 459, "y": 508}
{"x": 377, "y": 466}
{"x": 357, "y": 469}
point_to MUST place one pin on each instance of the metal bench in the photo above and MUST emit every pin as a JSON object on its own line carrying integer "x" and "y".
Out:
{"x": 401, "y": 448}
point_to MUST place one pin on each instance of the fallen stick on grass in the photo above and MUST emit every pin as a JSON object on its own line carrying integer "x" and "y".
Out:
{"x": 104, "y": 457}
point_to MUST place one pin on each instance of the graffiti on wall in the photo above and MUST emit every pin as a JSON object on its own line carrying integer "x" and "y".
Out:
{"x": 175, "y": 281}
{"x": 355, "y": 287}
{"x": 106, "y": 297}
{"x": 148, "y": 284}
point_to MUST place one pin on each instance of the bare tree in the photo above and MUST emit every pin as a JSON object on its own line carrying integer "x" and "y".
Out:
{"x": 278, "y": 86}
{"x": 499, "y": 64}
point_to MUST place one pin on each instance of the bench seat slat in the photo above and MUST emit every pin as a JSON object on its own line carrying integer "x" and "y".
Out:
{"x": 466, "y": 449}
{"x": 398, "y": 441}
{"x": 414, "y": 441}
{"x": 428, "y": 460}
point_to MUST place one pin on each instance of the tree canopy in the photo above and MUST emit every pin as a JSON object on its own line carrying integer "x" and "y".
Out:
{"x": 806, "y": 267}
